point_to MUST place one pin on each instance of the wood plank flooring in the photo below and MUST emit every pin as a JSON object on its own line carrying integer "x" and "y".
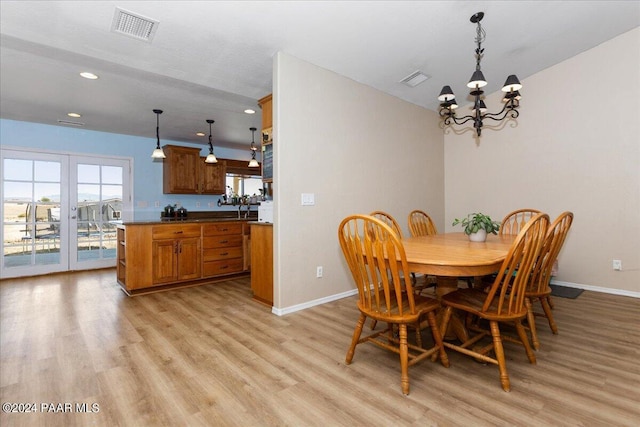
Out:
{"x": 211, "y": 356}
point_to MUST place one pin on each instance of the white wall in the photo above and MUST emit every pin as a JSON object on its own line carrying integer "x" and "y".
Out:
{"x": 357, "y": 150}
{"x": 576, "y": 147}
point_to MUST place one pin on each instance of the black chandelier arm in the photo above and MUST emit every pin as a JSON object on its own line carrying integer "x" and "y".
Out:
{"x": 507, "y": 110}
{"x": 457, "y": 120}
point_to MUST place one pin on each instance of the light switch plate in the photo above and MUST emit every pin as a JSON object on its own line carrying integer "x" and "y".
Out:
{"x": 308, "y": 199}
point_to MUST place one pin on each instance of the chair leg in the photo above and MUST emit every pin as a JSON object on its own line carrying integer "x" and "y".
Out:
{"x": 549, "y": 315}
{"x": 531, "y": 320}
{"x": 525, "y": 341}
{"x": 550, "y": 301}
{"x": 499, "y": 350}
{"x": 374, "y": 322}
{"x": 355, "y": 338}
{"x": 404, "y": 359}
{"x": 437, "y": 338}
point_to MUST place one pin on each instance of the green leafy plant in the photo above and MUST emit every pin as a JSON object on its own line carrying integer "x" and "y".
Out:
{"x": 477, "y": 221}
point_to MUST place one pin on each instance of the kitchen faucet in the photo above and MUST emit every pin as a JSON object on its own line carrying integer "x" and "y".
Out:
{"x": 246, "y": 215}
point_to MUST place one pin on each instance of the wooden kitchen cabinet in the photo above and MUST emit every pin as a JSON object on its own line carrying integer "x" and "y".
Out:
{"x": 262, "y": 262}
{"x": 213, "y": 177}
{"x": 222, "y": 248}
{"x": 266, "y": 104}
{"x": 185, "y": 172}
{"x": 153, "y": 256}
{"x": 176, "y": 253}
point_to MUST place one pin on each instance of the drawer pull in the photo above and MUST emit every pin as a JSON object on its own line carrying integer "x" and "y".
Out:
{"x": 224, "y": 229}
{"x": 224, "y": 253}
{"x": 224, "y": 267}
{"x": 224, "y": 241}
{"x": 178, "y": 232}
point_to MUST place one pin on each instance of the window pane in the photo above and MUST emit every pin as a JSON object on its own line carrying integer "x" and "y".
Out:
{"x": 111, "y": 175}
{"x": 18, "y": 170}
{"x": 89, "y": 173}
{"x": 88, "y": 193}
{"x": 46, "y": 192}
{"x": 47, "y": 171}
{"x": 111, "y": 192}
{"x": 18, "y": 191}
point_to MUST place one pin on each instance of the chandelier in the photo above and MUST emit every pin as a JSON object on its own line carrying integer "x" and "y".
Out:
{"x": 511, "y": 87}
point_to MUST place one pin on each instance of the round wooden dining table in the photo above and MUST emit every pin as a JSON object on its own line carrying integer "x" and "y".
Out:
{"x": 450, "y": 256}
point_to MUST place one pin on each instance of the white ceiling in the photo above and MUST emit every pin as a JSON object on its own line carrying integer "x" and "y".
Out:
{"x": 213, "y": 59}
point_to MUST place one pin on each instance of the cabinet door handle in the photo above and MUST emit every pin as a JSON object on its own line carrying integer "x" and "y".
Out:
{"x": 175, "y": 249}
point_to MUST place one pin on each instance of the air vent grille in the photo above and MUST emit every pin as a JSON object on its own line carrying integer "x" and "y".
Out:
{"x": 134, "y": 25}
{"x": 414, "y": 79}
{"x": 70, "y": 123}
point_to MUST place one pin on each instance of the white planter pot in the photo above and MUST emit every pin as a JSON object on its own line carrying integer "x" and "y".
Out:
{"x": 480, "y": 236}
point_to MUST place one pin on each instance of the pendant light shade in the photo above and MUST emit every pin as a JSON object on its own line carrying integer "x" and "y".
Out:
{"x": 211, "y": 158}
{"x": 253, "y": 163}
{"x": 158, "y": 153}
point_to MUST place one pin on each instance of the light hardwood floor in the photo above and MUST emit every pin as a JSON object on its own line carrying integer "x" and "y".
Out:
{"x": 211, "y": 356}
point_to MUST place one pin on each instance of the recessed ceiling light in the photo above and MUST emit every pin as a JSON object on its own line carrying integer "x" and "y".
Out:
{"x": 199, "y": 133}
{"x": 76, "y": 115}
{"x": 88, "y": 75}
{"x": 249, "y": 111}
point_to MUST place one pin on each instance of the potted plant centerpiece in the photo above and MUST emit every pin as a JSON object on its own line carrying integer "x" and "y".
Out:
{"x": 477, "y": 225}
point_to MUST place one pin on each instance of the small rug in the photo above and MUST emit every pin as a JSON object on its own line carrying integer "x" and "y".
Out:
{"x": 565, "y": 292}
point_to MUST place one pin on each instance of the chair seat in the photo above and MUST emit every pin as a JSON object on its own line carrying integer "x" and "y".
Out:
{"x": 423, "y": 305}
{"x": 472, "y": 301}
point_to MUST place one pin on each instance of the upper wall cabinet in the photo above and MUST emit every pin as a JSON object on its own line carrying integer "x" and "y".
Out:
{"x": 185, "y": 172}
{"x": 266, "y": 104}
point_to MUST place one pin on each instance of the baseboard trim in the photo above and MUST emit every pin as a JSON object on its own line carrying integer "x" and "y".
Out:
{"x": 335, "y": 297}
{"x": 597, "y": 289}
{"x": 313, "y": 303}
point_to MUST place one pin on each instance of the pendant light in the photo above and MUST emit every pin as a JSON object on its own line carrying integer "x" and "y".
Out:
{"x": 158, "y": 153}
{"x": 211, "y": 158}
{"x": 253, "y": 163}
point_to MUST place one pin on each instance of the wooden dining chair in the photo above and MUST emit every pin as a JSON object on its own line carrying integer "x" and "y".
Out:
{"x": 503, "y": 303}
{"x": 421, "y": 224}
{"x": 391, "y": 222}
{"x": 538, "y": 288}
{"x": 513, "y": 222}
{"x": 368, "y": 244}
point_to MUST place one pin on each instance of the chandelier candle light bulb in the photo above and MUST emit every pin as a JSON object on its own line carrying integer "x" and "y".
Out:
{"x": 511, "y": 98}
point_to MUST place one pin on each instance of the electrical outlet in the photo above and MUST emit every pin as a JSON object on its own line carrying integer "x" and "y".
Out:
{"x": 197, "y": 204}
{"x": 617, "y": 265}
{"x": 319, "y": 271}
{"x": 156, "y": 204}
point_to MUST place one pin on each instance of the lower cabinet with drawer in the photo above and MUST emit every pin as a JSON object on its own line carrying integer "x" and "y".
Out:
{"x": 176, "y": 253}
{"x": 222, "y": 248}
{"x": 157, "y": 256}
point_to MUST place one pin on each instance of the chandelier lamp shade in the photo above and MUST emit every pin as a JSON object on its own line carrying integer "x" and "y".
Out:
{"x": 253, "y": 163}
{"x": 511, "y": 99}
{"x": 158, "y": 153}
{"x": 211, "y": 158}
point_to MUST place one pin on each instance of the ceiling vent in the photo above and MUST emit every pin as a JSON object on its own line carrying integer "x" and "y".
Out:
{"x": 70, "y": 123}
{"x": 414, "y": 79}
{"x": 134, "y": 25}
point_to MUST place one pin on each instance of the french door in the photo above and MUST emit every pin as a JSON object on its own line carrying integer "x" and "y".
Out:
{"x": 60, "y": 211}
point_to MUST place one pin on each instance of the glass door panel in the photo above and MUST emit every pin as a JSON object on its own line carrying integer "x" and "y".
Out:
{"x": 32, "y": 191}
{"x": 97, "y": 209}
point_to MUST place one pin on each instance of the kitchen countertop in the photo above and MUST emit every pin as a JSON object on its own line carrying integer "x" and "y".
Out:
{"x": 186, "y": 221}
